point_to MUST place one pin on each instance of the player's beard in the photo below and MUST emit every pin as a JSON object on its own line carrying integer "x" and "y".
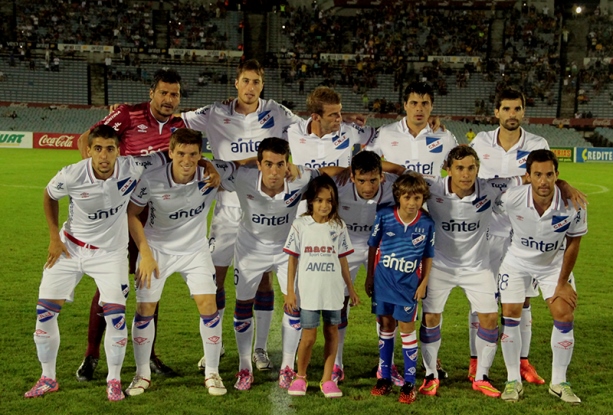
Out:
{"x": 512, "y": 127}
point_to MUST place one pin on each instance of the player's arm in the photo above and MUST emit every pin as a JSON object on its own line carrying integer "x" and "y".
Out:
{"x": 564, "y": 291}
{"x": 426, "y": 266}
{"x": 393, "y": 168}
{"x": 56, "y": 246}
{"x": 369, "y": 285}
{"x": 353, "y": 295}
{"x": 82, "y": 143}
{"x": 212, "y": 179}
{"x": 290, "y": 299}
{"x": 147, "y": 265}
{"x": 577, "y": 197}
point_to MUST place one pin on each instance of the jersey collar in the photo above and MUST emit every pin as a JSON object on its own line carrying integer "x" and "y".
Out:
{"x": 413, "y": 222}
{"x": 91, "y": 177}
{"x": 405, "y": 129}
{"x": 171, "y": 182}
{"x": 556, "y": 202}
{"x": 519, "y": 144}
{"x": 235, "y": 101}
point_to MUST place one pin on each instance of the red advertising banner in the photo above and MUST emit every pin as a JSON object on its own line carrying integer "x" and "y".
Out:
{"x": 61, "y": 141}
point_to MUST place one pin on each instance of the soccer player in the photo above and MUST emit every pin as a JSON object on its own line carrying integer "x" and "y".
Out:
{"x": 402, "y": 240}
{"x": 541, "y": 225}
{"x": 503, "y": 153}
{"x": 142, "y": 129}
{"x": 92, "y": 241}
{"x": 234, "y": 132}
{"x": 411, "y": 142}
{"x": 368, "y": 191}
{"x": 461, "y": 206}
{"x": 173, "y": 240}
{"x": 268, "y": 204}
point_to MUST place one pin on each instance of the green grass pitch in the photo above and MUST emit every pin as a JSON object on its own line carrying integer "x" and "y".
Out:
{"x": 24, "y": 240}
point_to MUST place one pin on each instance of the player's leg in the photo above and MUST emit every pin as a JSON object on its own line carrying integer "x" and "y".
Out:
{"x": 310, "y": 321}
{"x": 143, "y": 335}
{"x": 331, "y": 321}
{"x": 387, "y": 329}
{"x": 264, "y": 306}
{"x": 406, "y": 323}
{"x": 562, "y": 338}
{"x": 95, "y": 332}
{"x": 512, "y": 285}
{"x": 57, "y": 285}
{"x": 527, "y": 370}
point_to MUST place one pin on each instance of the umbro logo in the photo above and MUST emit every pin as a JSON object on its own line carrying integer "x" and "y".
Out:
{"x": 390, "y": 234}
{"x": 394, "y": 143}
{"x": 139, "y": 340}
{"x": 519, "y": 217}
{"x": 303, "y": 141}
{"x": 226, "y": 121}
{"x": 142, "y": 128}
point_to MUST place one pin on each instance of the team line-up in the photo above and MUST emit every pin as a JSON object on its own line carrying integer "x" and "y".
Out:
{"x": 314, "y": 222}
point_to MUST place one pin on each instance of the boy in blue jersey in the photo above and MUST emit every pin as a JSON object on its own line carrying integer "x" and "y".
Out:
{"x": 401, "y": 246}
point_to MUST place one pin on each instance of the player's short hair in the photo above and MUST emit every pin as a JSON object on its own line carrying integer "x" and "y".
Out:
{"x": 250, "y": 65}
{"x": 169, "y": 76}
{"x": 419, "y": 88}
{"x": 322, "y": 95}
{"x": 366, "y": 162}
{"x": 185, "y": 136}
{"x": 541, "y": 156}
{"x": 459, "y": 153}
{"x": 315, "y": 186}
{"x": 274, "y": 145}
{"x": 410, "y": 183}
{"x": 509, "y": 94}
{"x": 102, "y": 131}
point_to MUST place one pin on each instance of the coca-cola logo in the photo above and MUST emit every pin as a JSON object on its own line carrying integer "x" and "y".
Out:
{"x": 601, "y": 121}
{"x": 558, "y": 121}
{"x": 56, "y": 141}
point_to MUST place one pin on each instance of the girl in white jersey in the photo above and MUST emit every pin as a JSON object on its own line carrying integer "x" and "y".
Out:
{"x": 317, "y": 275}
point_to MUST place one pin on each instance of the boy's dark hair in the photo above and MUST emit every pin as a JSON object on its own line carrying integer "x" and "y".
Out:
{"x": 186, "y": 136}
{"x": 419, "y": 88}
{"x": 322, "y": 182}
{"x": 250, "y": 65}
{"x": 459, "y": 153}
{"x": 169, "y": 76}
{"x": 102, "y": 131}
{"x": 366, "y": 162}
{"x": 410, "y": 183}
{"x": 541, "y": 156}
{"x": 275, "y": 145}
{"x": 509, "y": 94}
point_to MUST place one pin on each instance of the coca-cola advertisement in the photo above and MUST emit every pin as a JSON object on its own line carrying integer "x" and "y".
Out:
{"x": 60, "y": 141}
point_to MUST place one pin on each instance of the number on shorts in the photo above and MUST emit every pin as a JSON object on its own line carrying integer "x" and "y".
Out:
{"x": 503, "y": 281}
{"x": 236, "y": 276}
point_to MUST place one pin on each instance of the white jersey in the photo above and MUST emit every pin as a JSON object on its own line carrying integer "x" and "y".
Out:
{"x": 177, "y": 221}
{"x": 496, "y": 162}
{"x": 97, "y": 211}
{"x": 424, "y": 154}
{"x": 359, "y": 214}
{"x": 266, "y": 220}
{"x": 234, "y": 136}
{"x": 334, "y": 149}
{"x": 537, "y": 239}
{"x": 461, "y": 224}
{"x": 319, "y": 246}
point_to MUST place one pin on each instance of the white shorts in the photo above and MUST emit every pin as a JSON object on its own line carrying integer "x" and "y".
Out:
{"x": 479, "y": 287}
{"x": 251, "y": 262}
{"x": 222, "y": 235}
{"x": 498, "y": 249}
{"x": 196, "y": 269}
{"x": 109, "y": 269}
{"x": 358, "y": 258}
{"x": 513, "y": 283}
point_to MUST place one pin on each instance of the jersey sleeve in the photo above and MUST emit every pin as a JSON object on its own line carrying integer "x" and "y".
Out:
{"x": 377, "y": 231}
{"x": 148, "y": 162}
{"x": 578, "y": 227}
{"x": 118, "y": 119}
{"x": 287, "y": 117}
{"x": 344, "y": 247}
{"x": 374, "y": 144}
{"x": 198, "y": 119}
{"x": 226, "y": 169}
{"x": 229, "y": 182}
{"x": 429, "y": 249}
{"x": 502, "y": 184}
{"x": 141, "y": 194}
{"x": 57, "y": 187}
{"x": 360, "y": 134}
{"x": 500, "y": 204}
{"x": 292, "y": 244}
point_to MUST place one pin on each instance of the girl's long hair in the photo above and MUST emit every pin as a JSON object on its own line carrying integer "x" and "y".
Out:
{"x": 323, "y": 182}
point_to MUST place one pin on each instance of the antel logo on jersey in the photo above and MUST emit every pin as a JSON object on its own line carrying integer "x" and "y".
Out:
{"x": 560, "y": 223}
{"x": 104, "y": 214}
{"x": 341, "y": 142}
{"x": 266, "y": 119}
{"x": 315, "y": 165}
{"x": 453, "y": 226}
{"x": 262, "y": 219}
{"x": 357, "y": 227}
{"x": 399, "y": 264}
{"x": 142, "y": 128}
{"x": 419, "y": 168}
{"x": 241, "y": 146}
{"x": 187, "y": 213}
{"x": 57, "y": 141}
{"x": 482, "y": 203}
{"x": 434, "y": 144}
{"x": 539, "y": 245}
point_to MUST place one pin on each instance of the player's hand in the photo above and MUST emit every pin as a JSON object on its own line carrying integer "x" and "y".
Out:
{"x": 212, "y": 179}
{"x": 435, "y": 123}
{"x": 56, "y": 248}
{"x": 293, "y": 172}
{"x": 353, "y": 298}
{"x": 291, "y": 303}
{"x": 113, "y": 107}
{"x": 359, "y": 119}
{"x": 577, "y": 197}
{"x": 343, "y": 177}
{"x": 420, "y": 292}
{"x": 565, "y": 292}
{"x": 369, "y": 286}
{"x": 146, "y": 267}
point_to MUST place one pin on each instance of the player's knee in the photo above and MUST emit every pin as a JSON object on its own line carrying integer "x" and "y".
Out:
{"x": 527, "y": 302}
{"x": 146, "y": 309}
{"x": 432, "y": 319}
{"x": 512, "y": 310}
{"x": 562, "y": 311}
{"x": 220, "y": 276}
{"x": 488, "y": 321}
{"x": 388, "y": 323}
{"x": 266, "y": 282}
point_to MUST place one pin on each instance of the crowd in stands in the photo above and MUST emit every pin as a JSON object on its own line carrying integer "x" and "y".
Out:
{"x": 196, "y": 26}
{"x": 600, "y": 35}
